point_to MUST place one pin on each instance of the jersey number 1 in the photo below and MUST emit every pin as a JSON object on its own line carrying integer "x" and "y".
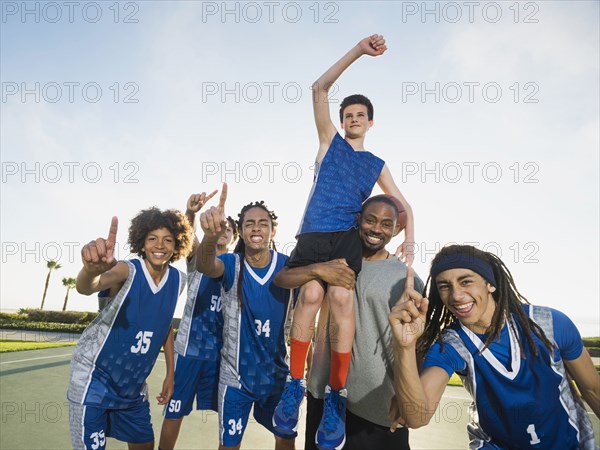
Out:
{"x": 534, "y": 437}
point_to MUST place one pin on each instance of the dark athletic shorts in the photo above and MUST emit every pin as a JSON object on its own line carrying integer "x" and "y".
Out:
{"x": 320, "y": 247}
{"x": 360, "y": 433}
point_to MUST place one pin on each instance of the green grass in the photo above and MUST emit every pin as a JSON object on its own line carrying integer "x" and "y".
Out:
{"x": 7, "y": 345}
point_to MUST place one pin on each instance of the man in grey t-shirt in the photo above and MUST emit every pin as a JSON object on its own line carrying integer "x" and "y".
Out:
{"x": 370, "y": 378}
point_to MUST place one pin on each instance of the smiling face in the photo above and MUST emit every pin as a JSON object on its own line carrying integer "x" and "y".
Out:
{"x": 159, "y": 247}
{"x": 257, "y": 230}
{"x": 468, "y": 296}
{"x": 355, "y": 121}
{"x": 377, "y": 226}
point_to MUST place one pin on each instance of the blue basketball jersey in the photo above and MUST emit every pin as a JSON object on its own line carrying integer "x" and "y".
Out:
{"x": 254, "y": 351}
{"x": 200, "y": 333}
{"x": 117, "y": 351}
{"x": 343, "y": 180}
{"x": 518, "y": 402}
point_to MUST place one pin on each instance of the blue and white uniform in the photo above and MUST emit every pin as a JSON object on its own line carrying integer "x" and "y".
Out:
{"x": 253, "y": 364}
{"x": 198, "y": 347}
{"x": 115, "y": 355}
{"x": 343, "y": 180}
{"x": 519, "y": 402}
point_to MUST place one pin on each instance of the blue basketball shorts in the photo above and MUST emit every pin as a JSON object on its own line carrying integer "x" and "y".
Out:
{"x": 91, "y": 425}
{"x": 193, "y": 378}
{"x": 234, "y": 411}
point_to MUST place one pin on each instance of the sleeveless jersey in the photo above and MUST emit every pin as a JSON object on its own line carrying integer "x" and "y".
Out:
{"x": 200, "y": 333}
{"x": 520, "y": 403}
{"x": 343, "y": 180}
{"x": 254, "y": 351}
{"x": 117, "y": 351}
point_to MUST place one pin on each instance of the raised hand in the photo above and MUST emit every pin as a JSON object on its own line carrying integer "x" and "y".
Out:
{"x": 408, "y": 316}
{"x": 406, "y": 252}
{"x": 197, "y": 201}
{"x": 373, "y": 45}
{"x": 213, "y": 220}
{"x": 98, "y": 255}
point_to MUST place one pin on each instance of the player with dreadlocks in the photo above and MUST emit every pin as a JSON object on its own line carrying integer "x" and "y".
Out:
{"x": 514, "y": 358}
{"x": 253, "y": 367}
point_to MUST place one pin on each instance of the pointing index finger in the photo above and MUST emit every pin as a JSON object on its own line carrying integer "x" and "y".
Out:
{"x": 112, "y": 233}
{"x": 410, "y": 279}
{"x": 211, "y": 195}
{"x": 223, "y": 196}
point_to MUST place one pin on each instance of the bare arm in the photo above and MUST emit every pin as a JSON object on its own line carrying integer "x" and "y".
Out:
{"x": 417, "y": 395}
{"x": 373, "y": 46}
{"x": 206, "y": 258}
{"x": 335, "y": 273}
{"x": 588, "y": 381}
{"x": 214, "y": 224}
{"x": 168, "y": 384}
{"x": 89, "y": 282}
{"x": 387, "y": 185}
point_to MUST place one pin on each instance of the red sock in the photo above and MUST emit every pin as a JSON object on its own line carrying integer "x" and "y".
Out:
{"x": 340, "y": 363}
{"x": 298, "y": 352}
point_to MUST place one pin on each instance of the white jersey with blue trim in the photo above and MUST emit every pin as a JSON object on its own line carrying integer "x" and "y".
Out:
{"x": 254, "y": 352}
{"x": 117, "y": 351}
{"x": 200, "y": 333}
{"x": 519, "y": 402}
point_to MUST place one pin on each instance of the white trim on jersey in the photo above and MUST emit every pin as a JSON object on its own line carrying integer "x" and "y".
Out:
{"x": 221, "y": 417}
{"x": 120, "y": 297}
{"x": 317, "y": 167}
{"x": 193, "y": 290}
{"x": 83, "y": 425}
{"x": 237, "y": 350}
{"x": 153, "y": 287}
{"x": 555, "y": 369}
{"x": 267, "y": 276}
{"x": 515, "y": 352}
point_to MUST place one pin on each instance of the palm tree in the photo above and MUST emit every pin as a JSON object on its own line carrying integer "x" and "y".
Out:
{"x": 69, "y": 283}
{"x": 52, "y": 265}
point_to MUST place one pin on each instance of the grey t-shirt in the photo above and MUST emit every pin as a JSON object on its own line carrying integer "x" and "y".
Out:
{"x": 370, "y": 378}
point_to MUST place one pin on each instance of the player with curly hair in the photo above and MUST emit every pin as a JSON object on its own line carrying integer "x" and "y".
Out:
{"x": 108, "y": 393}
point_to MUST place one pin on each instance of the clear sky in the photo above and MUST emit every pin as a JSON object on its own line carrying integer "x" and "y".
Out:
{"x": 487, "y": 114}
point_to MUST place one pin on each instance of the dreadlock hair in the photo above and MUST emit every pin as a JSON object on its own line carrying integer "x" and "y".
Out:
{"x": 241, "y": 245}
{"x": 508, "y": 300}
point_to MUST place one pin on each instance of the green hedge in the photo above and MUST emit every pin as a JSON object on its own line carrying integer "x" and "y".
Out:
{"x": 69, "y": 317}
{"x": 16, "y": 324}
{"x": 591, "y": 342}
